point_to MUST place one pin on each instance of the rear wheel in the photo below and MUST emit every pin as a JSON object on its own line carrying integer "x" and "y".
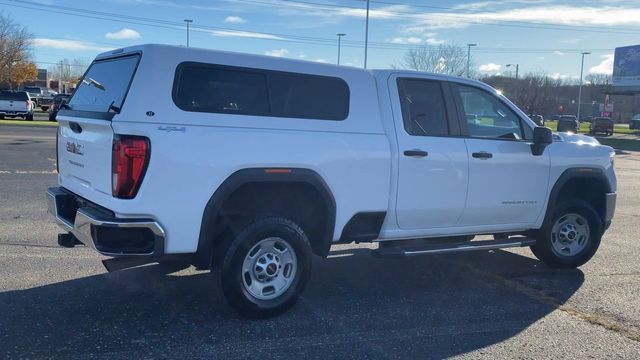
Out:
{"x": 266, "y": 268}
{"x": 29, "y": 117}
{"x": 571, "y": 235}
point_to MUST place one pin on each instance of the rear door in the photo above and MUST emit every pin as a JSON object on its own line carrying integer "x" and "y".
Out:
{"x": 433, "y": 165}
{"x": 85, "y": 137}
{"x": 507, "y": 183}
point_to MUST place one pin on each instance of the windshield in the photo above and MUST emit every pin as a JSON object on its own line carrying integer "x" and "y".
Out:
{"x": 104, "y": 87}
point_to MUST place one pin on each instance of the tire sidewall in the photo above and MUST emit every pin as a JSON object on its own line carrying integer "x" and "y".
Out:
{"x": 544, "y": 248}
{"x": 232, "y": 282}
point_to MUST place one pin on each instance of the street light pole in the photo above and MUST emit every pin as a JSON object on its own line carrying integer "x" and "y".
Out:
{"x": 469, "y": 57}
{"x": 188, "y": 21}
{"x": 580, "y": 87}
{"x": 517, "y": 68}
{"x": 339, "y": 35}
{"x": 366, "y": 36}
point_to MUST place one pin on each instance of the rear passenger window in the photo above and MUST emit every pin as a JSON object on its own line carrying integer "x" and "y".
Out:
{"x": 423, "y": 108}
{"x": 244, "y": 91}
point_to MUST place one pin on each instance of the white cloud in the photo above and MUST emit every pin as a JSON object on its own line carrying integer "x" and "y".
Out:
{"x": 559, "y": 53}
{"x": 248, "y": 34}
{"x": 557, "y": 76}
{"x": 71, "y": 45}
{"x": 547, "y": 15}
{"x": 320, "y": 60}
{"x": 407, "y": 40}
{"x": 414, "y": 40}
{"x": 605, "y": 67}
{"x": 124, "y": 34}
{"x": 277, "y": 52}
{"x": 434, "y": 41}
{"x": 489, "y": 68}
{"x": 234, "y": 20}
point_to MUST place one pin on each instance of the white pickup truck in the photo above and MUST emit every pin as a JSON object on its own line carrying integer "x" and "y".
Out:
{"x": 16, "y": 104}
{"x": 248, "y": 165}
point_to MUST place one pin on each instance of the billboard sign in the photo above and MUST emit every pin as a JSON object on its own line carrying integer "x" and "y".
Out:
{"x": 626, "y": 66}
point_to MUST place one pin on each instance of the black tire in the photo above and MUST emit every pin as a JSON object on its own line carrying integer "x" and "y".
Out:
{"x": 1, "y": 117}
{"x": 233, "y": 278}
{"x": 29, "y": 117}
{"x": 543, "y": 248}
{"x": 52, "y": 117}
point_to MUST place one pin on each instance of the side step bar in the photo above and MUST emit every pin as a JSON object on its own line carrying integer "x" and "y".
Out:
{"x": 388, "y": 249}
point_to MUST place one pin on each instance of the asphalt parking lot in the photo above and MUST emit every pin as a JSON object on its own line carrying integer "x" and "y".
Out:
{"x": 61, "y": 303}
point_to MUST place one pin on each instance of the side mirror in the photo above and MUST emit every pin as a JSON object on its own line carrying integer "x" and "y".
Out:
{"x": 542, "y": 137}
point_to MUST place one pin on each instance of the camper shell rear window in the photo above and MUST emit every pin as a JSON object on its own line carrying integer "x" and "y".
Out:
{"x": 201, "y": 87}
{"x": 104, "y": 86}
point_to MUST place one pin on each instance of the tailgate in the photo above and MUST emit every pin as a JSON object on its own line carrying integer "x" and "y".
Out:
{"x": 85, "y": 138}
{"x": 84, "y": 154}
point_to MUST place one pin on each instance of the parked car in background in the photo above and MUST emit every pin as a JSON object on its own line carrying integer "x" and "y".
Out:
{"x": 601, "y": 125}
{"x": 634, "y": 123}
{"x": 46, "y": 99}
{"x": 538, "y": 119}
{"x": 568, "y": 123}
{"x": 42, "y": 97}
{"x": 58, "y": 102}
{"x": 35, "y": 93}
{"x": 16, "y": 104}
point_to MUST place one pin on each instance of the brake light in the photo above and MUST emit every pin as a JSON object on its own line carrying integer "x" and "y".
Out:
{"x": 128, "y": 164}
{"x": 27, "y": 104}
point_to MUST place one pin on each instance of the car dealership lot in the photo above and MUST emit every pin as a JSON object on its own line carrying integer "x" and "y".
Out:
{"x": 58, "y": 302}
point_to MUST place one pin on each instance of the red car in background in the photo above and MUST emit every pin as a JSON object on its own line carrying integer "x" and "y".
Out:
{"x": 601, "y": 125}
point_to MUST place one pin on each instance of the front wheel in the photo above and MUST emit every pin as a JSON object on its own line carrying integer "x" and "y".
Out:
{"x": 29, "y": 117}
{"x": 266, "y": 268}
{"x": 570, "y": 237}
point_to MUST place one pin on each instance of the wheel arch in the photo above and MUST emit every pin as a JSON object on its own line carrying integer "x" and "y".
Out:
{"x": 583, "y": 179}
{"x": 209, "y": 228}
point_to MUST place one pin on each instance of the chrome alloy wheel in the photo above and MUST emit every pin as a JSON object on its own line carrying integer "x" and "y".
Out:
{"x": 570, "y": 235}
{"x": 269, "y": 268}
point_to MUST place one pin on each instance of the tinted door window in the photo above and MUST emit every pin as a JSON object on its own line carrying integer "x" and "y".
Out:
{"x": 246, "y": 91}
{"x": 486, "y": 116}
{"x": 423, "y": 109}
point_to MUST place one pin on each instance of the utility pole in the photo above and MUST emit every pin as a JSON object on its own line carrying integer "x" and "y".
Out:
{"x": 366, "y": 36}
{"x": 60, "y": 88}
{"x": 339, "y": 35}
{"x": 517, "y": 68}
{"x": 580, "y": 87}
{"x": 188, "y": 21}
{"x": 469, "y": 56}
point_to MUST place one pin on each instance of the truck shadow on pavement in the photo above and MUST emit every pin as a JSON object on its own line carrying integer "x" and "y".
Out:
{"x": 354, "y": 307}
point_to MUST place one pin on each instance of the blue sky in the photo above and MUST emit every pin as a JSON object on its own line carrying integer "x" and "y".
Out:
{"x": 539, "y": 35}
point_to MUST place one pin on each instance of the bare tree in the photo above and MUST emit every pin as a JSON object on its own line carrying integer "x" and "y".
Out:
{"x": 15, "y": 47}
{"x": 598, "y": 79}
{"x": 441, "y": 59}
{"x": 71, "y": 70}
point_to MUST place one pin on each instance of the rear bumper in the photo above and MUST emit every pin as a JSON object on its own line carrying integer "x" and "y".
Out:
{"x": 15, "y": 113}
{"x": 100, "y": 229}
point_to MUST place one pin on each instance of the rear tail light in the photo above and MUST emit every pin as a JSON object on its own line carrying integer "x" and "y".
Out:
{"x": 28, "y": 104}
{"x": 129, "y": 162}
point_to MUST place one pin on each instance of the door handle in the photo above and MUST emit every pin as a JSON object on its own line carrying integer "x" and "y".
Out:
{"x": 416, "y": 153}
{"x": 482, "y": 155}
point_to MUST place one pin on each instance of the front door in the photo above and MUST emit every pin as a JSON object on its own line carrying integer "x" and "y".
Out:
{"x": 507, "y": 183}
